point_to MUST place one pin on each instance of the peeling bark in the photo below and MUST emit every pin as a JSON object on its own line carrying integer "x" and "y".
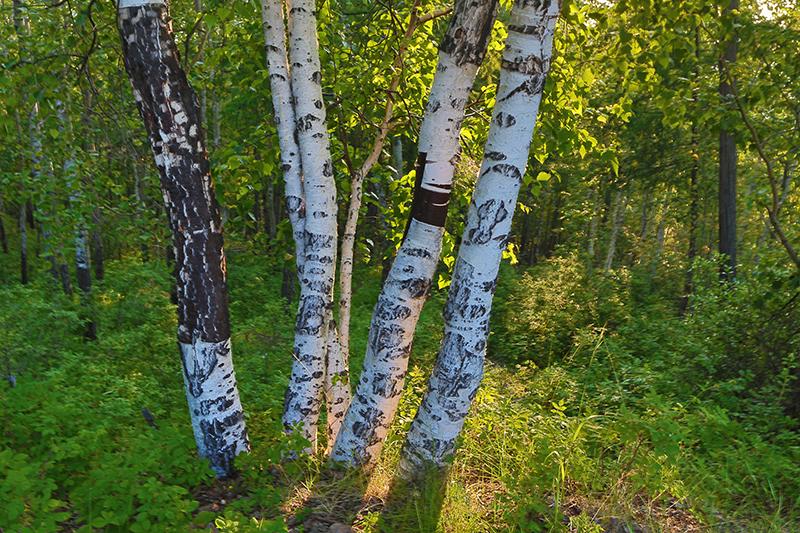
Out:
{"x": 171, "y": 115}
{"x": 459, "y": 366}
{"x": 404, "y": 292}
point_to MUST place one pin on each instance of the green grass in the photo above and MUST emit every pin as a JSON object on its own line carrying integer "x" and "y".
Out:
{"x": 616, "y": 428}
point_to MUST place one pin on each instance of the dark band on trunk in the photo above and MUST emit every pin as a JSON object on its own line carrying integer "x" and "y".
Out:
{"x": 427, "y": 206}
{"x": 431, "y": 206}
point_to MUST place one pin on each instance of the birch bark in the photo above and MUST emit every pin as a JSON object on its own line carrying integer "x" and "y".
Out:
{"x": 459, "y": 366}
{"x": 171, "y": 115}
{"x": 399, "y": 305}
{"x": 280, "y": 86}
{"x": 357, "y": 179}
{"x": 305, "y": 390}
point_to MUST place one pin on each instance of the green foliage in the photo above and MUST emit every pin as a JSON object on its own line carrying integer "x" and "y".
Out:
{"x": 543, "y": 309}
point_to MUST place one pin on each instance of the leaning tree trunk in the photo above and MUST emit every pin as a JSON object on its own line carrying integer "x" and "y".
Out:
{"x": 359, "y": 174}
{"x": 305, "y": 390}
{"x": 171, "y": 115}
{"x": 727, "y": 164}
{"x": 459, "y": 366}
{"x": 395, "y": 316}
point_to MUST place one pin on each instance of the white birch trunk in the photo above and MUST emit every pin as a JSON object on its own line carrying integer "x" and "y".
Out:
{"x": 459, "y": 366}
{"x": 337, "y": 384}
{"x": 280, "y": 86}
{"x": 399, "y": 305}
{"x": 304, "y": 393}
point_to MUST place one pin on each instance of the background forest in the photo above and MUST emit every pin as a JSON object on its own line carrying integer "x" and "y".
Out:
{"x": 637, "y": 378}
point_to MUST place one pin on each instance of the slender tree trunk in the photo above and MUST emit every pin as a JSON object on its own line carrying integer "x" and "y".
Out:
{"x": 73, "y": 185}
{"x": 458, "y": 369}
{"x": 304, "y": 394}
{"x": 694, "y": 208}
{"x": 620, "y": 202}
{"x": 270, "y": 215}
{"x": 170, "y": 111}
{"x": 405, "y": 290}
{"x": 23, "y": 244}
{"x": 357, "y": 185}
{"x": 727, "y": 163}
{"x": 660, "y": 235}
{"x": 593, "y": 224}
{"x": 284, "y": 113}
{"x": 3, "y": 237}
{"x": 97, "y": 257}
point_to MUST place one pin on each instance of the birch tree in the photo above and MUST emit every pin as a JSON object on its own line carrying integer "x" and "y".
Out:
{"x": 404, "y": 292}
{"x": 459, "y": 365}
{"x": 304, "y": 394}
{"x": 171, "y": 114}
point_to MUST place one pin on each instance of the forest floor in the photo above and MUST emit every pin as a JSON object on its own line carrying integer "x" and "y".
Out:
{"x": 589, "y": 443}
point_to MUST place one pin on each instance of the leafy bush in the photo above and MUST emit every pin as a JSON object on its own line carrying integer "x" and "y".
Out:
{"x": 549, "y": 304}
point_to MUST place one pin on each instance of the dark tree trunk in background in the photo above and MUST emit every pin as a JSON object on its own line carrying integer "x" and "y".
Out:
{"x": 96, "y": 253}
{"x": 23, "y": 245}
{"x": 270, "y": 215}
{"x": 694, "y": 207}
{"x": 3, "y": 237}
{"x": 171, "y": 115}
{"x": 727, "y": 164}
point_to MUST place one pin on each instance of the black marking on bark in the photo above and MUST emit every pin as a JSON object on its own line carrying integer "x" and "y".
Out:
{"x": 311, "y": 316}
{"x": 418, "y": 252}
{"x": 531, "y": 86}
{"x": 504, "y": 169}
{"x": 504, "y": 120}
{"x": 198, "y": 369}
{"x": 490, "y": 214}
{"x": 495, "y": 156}
{"x": 307, "y": 122}
{"x": 469, "y": 31}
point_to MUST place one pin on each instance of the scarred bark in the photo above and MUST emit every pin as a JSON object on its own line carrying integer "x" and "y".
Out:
{"x": 459, "y": 366}
{"x": 171, "y": 114}
{"x": 399, "y": 305}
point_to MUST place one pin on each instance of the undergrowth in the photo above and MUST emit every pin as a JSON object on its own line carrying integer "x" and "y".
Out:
{"x": 600, "y": 409}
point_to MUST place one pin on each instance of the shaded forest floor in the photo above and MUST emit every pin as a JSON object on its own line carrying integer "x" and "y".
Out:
{"x": 611, "y": 425}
